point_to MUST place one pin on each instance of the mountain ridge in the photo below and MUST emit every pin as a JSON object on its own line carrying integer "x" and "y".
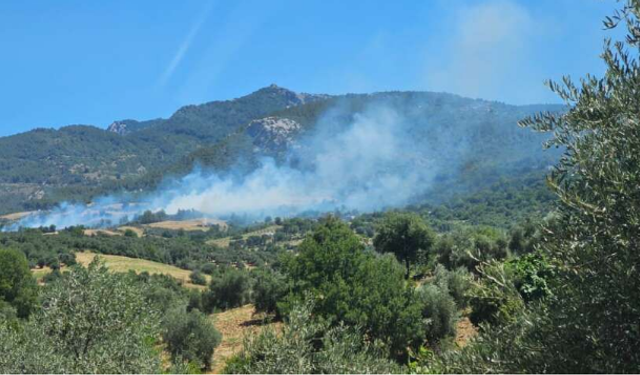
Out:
{"x": 79, "y": 161}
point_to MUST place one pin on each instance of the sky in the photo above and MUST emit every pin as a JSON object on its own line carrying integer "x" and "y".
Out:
{"x": 94, "y": 62}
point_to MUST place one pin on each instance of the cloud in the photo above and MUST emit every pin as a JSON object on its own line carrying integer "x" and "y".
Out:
{"x": 487, "y": 54}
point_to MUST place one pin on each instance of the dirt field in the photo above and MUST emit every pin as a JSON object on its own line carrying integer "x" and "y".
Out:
{"x": 118, "y": 263}
{"x": 16, "y": 215}
{"x": 234, "y": 324}
{"x": 224, "y": 242}
{"x": 95, "y": 232}
{"x": 196, "y": 224}
{"x": 465, "y": 331}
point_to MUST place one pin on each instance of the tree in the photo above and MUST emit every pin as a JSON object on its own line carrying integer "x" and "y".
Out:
{"x": 91, "y": 321}
{"x": 406, "y": 235}
{"x": 589, "y": 323}
{"x": 229, "y": 289}
{"x": 197, "y": 278}
{"x": 269, "y": 287}
{"x": 17, "y": 286}
{"x": 190, "y": 336}
{"x": 308, "y": 346}
{"x": 348, "y": 285}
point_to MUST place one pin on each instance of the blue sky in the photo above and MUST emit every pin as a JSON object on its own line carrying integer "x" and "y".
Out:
{"x": 92, "y": 62}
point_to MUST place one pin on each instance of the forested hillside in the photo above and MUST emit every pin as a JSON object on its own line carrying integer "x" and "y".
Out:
{"x": 44, "y": 166}
{"x": 474, "y": 142}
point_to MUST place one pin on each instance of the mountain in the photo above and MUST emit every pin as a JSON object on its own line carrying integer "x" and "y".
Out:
{"x": 44, "y": 166}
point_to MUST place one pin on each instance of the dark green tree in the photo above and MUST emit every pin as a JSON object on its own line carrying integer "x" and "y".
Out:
{"x": 190, "y": 336}
{"x": 17, "y": 285}
{"x": 406, "y": 235}
{"x": 356, "y": 288}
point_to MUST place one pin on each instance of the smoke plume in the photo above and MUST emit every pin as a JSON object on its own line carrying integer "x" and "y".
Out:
{"x": 373, "y": 161}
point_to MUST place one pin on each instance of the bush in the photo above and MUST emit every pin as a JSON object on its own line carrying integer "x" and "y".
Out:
{"x": 197, "y": 278}
{"x": 457, "y": 282}
{"x": 190, "y": 336}
{"x": 269, "y": 288}
{"x": 208, "y": 268}
{"x": 231, "y": 288}
{"x": 358, "y": 288}
{"x": 439, "y": 310}
{"x": 130, "y": 233}
{"x": 17, "y": 286}
{"x": 494, "y": 299}
{"x": 91, "y": 321}
{"x": 307, "y": 346}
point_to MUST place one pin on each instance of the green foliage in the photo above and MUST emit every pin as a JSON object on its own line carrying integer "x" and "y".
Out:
{"x": 229, "y": 288}
{"x": 457, "y": 282}
{"x": 191, "y": 336}
{"x": 469, "y": 246}
{"x": 494, "y": 299}
{"x": 405, "y": 235}
{"x": 197, "y": 278}
{"x": 269, "y": 287}
{"x": 357, "y": 288}
{"x": 91, "y": 321}
{"x": 532, "y": 275}
{"x": 307, "y": 346}
{"x": 130, "y": 233}
{"x": 439, "y": 311}
{"x": 17, "y": 287}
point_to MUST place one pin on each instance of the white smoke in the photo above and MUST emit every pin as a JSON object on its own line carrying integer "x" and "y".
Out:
{"x": 368, "y": 164}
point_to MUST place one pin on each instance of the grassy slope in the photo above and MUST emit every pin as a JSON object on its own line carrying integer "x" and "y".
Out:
{"x": 117, "y": 263}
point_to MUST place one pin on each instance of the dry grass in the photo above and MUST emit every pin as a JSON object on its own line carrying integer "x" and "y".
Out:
{"x": 189, "y": 225}
{"x": 224, "y": 242}
{"x": 16, "y": 215}
{"x": 465, "y": 331}
{"x": 234, "y": 324}
{"x": 95, "y": 232}
{"x": 118, "y": 263}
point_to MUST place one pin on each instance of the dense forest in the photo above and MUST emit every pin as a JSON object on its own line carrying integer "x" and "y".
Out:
{"x": 539, "y": 265}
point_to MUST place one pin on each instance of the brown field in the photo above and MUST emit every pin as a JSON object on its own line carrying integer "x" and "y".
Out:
{"x": 16, "y": 215}
{"x": 95, "y": 232}
{"x": 224, "y": 242}
{"x": 465, "y": 331}
{"x": 117, "y": 263}
{"x": 189, "y": 225}
{"x": 234, "y": 324}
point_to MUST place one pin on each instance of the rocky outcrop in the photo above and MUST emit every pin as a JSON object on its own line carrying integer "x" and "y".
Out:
{"x": 273, "y": 134}
{"x": 118, "y": 127}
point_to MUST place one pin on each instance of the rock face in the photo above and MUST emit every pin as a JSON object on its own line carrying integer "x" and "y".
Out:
{"x": 273, "y": 134}
{"x": 118, "y": 127}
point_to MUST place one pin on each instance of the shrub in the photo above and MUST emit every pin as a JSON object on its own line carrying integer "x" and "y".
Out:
{"x": 494, "y": 299}
{"x": 351, "y": 286}
{"x": 231, "y": 288}
{"x": 190, "y": 336}
{"x": 269, "y": 288}
{"x": 197, "y": 278}
{"x": 130, "y": 233}
{"x": 17, "y": 286}
{"x": 308, "y": 346}
{"x": 208, "y": 268}
{"x": 439, "y": 310}
{"x": 91, "y": 321}
{"x": 457, "y": 282}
